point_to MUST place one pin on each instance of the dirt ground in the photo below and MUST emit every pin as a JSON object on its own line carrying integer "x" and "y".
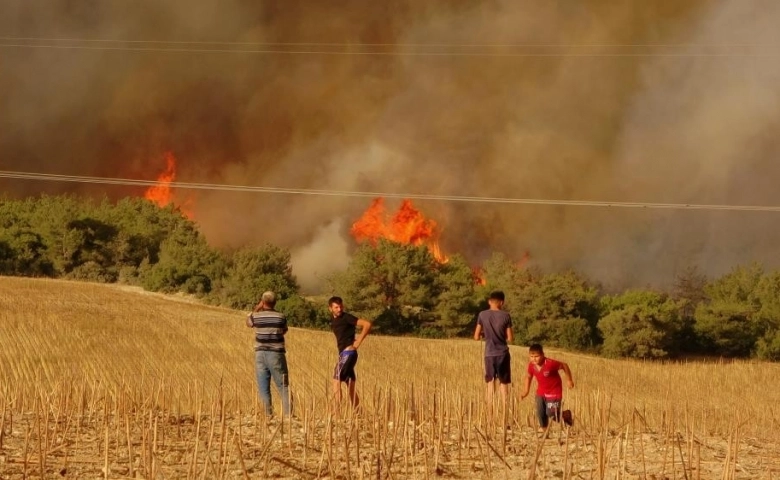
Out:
{"x": 251, "y": 447}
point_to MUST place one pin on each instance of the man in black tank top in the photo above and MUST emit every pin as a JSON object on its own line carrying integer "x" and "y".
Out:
{"x": 344, "y": 326}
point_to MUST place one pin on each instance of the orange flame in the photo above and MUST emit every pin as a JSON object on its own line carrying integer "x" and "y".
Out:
{"x": 524, "y": 259}
{"x": 161, "y": 193}
{"x": 478, "y": 273}
{"x": 408, "y": 226}
{"x": 479, "y": 276}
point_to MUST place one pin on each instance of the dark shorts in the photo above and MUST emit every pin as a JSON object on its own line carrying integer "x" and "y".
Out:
{"x": 550, "y": 408}
{"x": 345, "y": 368}
{"x": 498, "y": 367}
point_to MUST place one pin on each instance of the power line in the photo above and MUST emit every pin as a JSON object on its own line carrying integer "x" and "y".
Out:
{"x": 268, "y": 50}
{"x": 352, "y": 193}
{"x": 400, "y": 45}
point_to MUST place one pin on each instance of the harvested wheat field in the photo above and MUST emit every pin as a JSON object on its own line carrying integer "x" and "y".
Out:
{"x": 109, "y": 382}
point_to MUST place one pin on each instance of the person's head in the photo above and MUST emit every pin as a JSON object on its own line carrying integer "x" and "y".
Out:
{"x": 496, "y": 299}
{"x": 268, "y": 298}
{"x": 336, "y": 306}
{"x": 536, "y": 354}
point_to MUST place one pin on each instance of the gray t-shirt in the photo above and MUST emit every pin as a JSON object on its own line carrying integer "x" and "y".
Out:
{"x": 494, "y": 324}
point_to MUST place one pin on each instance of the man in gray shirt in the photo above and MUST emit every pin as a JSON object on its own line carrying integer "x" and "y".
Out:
{"x": 270, "y": 360}
{"x": 496, "y": 326}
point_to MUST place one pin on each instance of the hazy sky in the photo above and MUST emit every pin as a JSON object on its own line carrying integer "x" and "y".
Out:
{"x": 687, "y": 112}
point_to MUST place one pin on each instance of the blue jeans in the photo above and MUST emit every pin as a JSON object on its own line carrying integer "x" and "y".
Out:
{"x": 272, "y": 365}
{"x": 547, "y": 409}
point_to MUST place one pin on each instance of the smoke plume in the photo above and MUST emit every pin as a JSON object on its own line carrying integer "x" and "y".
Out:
{"x": 676, "y": 102}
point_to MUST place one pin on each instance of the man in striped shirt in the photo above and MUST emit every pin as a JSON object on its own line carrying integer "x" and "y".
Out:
{"x": 270, "y": 361}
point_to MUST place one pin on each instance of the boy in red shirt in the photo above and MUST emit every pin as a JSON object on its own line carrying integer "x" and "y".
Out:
{"x": 549, "y": 391}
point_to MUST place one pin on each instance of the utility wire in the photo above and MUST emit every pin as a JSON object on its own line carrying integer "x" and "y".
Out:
{"x": 358, "y": 49}
{"x": 400, "y": 45}
{"x": 352, "y": 193}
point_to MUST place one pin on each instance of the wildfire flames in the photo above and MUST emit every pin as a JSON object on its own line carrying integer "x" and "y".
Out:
{"x": 161, "y": 193}
{"x": 479, "y": 273}
{"x": 479, "y": 276}
{"x": 407, "y": 226}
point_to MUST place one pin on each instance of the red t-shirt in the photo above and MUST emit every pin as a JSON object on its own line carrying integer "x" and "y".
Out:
{"x": 549, "y": 384}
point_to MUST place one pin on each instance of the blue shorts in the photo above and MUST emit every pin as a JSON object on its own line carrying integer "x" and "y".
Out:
{"x": 345, "y": 368}
{"x": 499, "y": 367}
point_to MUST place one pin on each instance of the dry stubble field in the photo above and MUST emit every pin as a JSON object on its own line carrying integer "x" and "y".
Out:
{"x": 103, "y": 381}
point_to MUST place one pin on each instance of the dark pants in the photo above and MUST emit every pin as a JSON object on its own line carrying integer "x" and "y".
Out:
{"x": 547, "y": 409}
{"x": 345, "y": 368}
{"x": 499, "y": 367}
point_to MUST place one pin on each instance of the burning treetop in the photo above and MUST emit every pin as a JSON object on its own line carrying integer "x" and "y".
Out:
{"x": 407, "y": 226}
{"x": 161, "y": 194}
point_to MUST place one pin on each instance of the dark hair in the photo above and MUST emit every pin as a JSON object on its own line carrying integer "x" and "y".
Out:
{"x": 337, "y": 300}
{"x": 536, "y": 348}
{"x": 496, "y": 295}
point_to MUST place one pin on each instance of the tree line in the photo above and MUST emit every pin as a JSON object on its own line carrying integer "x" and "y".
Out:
{"x": 403, "y": 288}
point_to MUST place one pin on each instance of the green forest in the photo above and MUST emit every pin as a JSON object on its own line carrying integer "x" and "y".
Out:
{"x": 403, "y": 289}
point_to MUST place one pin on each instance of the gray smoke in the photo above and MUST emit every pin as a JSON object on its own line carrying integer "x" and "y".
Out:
{"x": 689, "y": 129}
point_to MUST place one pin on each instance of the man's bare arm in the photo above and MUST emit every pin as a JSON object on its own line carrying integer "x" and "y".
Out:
{"x": 526, "y": 387}
{"x": 478, "y": 332}
{"x": 365, "y": 327}
{"x": 567, "y": 371}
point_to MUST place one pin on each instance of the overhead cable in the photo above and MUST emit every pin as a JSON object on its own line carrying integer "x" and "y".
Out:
{"x": 397, "y": 195}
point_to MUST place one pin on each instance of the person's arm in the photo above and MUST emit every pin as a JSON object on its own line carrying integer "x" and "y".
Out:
{"x": 249, "y": 322}
{"x": 365, "y": 327}
{"x": 567, "y": 371}
{"x": 510, "y": 336}
{"x": 526, "y": 386}
{"x": 478, "y": 332}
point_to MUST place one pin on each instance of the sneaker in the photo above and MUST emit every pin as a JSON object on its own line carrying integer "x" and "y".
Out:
{"x": 567, "y": 418}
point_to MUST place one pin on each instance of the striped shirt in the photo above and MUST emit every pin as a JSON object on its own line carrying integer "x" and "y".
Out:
{"x": 270, "y": 327}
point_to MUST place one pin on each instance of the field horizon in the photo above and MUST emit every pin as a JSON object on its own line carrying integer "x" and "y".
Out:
{"x": 110, "y": 381}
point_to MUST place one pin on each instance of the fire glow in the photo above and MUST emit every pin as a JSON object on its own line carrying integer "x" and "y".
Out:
{"x": 407, "y": 226}
{"x": 161, "y": 193}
